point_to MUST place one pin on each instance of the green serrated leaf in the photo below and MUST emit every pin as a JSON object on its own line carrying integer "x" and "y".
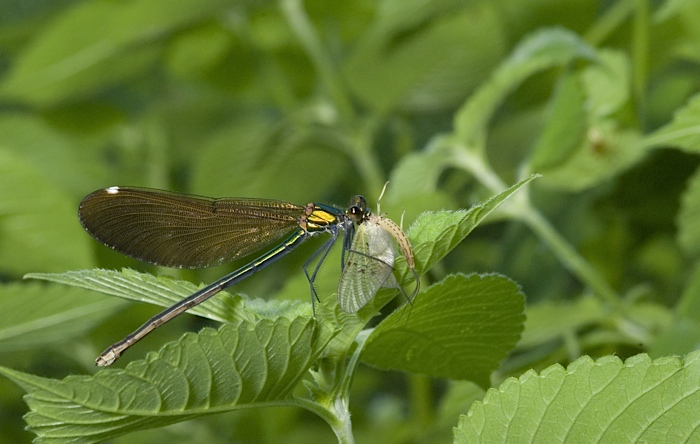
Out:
{"x": 543, "y": 49}
{"x": 603, "y": 401}
{"x": 683, "y": 132}
{"x": 460, "y": 328}
{"x": 276, "y": 308}
{"x": 238, "y": 366}
{"x": 434, "y": 234}
{"x": 33, "y": 315}
{"x": 144, "y": 287}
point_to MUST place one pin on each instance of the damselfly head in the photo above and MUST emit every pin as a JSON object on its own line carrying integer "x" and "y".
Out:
{"x": 358, "y": 211}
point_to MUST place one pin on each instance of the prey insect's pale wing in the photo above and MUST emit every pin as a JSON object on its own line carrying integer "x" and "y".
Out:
{"x": 368, "y": 267}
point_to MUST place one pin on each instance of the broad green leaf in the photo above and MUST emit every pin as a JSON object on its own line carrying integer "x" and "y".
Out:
{"x": 544, "y": 49}
{"x": 460, "y": 328}
{"x": 603, "y": 401}
{"x": 238, "y": 366}
{"x": 144, "y": 287}
{"x": 38, "y": 226}
{"x": 424, "y": 55}
{"x": 683, "y": 132}
{"x": 565, "y": 126}
{"x": 34, "y": 315}
{"x": 72, "y": 56}
{"x": 687, "y": 218}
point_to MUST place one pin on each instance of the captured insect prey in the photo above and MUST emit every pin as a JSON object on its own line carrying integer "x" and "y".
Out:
{"x": 369, "y": 262}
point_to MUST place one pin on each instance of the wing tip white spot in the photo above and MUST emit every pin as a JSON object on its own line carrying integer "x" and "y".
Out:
{"x": 112, "y": 190}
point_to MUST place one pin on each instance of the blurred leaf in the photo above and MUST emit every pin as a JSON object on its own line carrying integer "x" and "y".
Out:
{"x": 92, "y": 118}
{"x": 56, "y": 156}
{"x": 682, "y": 336}
{"x": 689, "y": 304}
{"x": 240, "y": 365}
{"x": 38, "y": 226}
{"x": 607, "y": 83}
{"x": 565, "y": 126}
{"x": 36, "y": 315}
{"x": 263, "y": 157}
{"x": 689, "y": 214}
{"x": 72, "y": 56}
{"x": 606, "y": 152}
{"x": 424, "y": 55}
{"x": 635, "y": 401}
{"x": 458, "y": 397}
{"x": 683, "y": 132}
{"x": 647, "y": 318}
{"x": 570, "y": 317}
{"x": 460, "y": 328}
{"x": 144, "y": 287}
{"x": 193, "y": 52}
{"x": 416, "y": 177}
{"x": 544, "y": 49}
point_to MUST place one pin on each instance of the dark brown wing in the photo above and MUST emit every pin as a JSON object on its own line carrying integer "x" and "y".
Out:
{"x": 182, "y": 230}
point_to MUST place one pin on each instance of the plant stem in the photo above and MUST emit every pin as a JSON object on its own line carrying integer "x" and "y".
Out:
{"x": 568, "y": 256}
{"x": 338, "y": 417}
{"x": 611, "y": 19}
{"x": 341, "y": 395}
{"x": 640, "y": 53}
{"x": 473, "y": 161}
{"x": 421, "y": 399}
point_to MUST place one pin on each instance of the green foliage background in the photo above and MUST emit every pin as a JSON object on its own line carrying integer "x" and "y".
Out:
{"x": 317, "y": 101}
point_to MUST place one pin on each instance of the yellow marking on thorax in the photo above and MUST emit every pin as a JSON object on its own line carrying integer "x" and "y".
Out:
{"x": 316, "y": 218}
